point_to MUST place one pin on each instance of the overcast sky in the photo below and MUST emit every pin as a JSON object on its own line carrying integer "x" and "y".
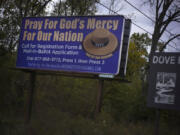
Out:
{"x": 138, "y": 18}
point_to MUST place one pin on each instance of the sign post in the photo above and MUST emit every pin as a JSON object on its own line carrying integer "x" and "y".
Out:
{"x": 30, "y": 97}
{"x": 156, "y": 130}
{"x": 99, "y": 96}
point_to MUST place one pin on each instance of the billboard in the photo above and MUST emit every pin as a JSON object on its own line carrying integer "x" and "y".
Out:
{"x": 164, "y": 78}
{"x": 88, "y": 44}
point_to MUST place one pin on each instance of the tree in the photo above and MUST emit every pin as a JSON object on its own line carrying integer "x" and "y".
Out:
{"x": 166, "y": 12}
{"x": 142, "y": 42}
{"x": 136, "y": 60}
{"x": 11, "y": 13}
{"x": 114, "y": 6}
{"x": 74, "y": 7}
{"x": 13, "y": 84}
{"x": 116, "y": 95}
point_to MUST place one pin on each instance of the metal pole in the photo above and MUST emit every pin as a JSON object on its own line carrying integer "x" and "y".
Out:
{"x": 99, "y": 96}
{"x": 156, "y": 131}
{"x": 30, "y": 97}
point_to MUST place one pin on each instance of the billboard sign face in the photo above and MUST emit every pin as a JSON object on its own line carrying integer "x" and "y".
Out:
{"x": 164, "y": 86}
{"x": 88, "y": 44}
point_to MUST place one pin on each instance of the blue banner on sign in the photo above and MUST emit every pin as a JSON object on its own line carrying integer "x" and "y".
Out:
{"x": 90, "y": 44}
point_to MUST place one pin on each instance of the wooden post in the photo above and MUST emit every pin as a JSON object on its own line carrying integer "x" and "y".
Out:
{"x": 30, "y": 97}
{"x": 99, "y": 96}
{"x": 156, "y": 131}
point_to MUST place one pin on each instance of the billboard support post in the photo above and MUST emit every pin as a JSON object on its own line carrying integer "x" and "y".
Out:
{"x": 30, "y": 97}
{"x": 99, "y": 96}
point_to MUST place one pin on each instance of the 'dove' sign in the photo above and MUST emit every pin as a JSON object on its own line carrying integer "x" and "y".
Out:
{"x": 89, "y": 44}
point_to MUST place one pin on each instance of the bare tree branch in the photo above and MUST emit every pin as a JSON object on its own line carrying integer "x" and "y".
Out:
{"x": 41, "y": 7}
{"x": 172, "y": 38}
{"x": 166, "y": 12}
{"x": 113, "y": 4}
{"x": 27, "y": 7}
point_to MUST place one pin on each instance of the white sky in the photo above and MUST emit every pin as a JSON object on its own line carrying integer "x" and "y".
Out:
{"x": 138, "y": 18}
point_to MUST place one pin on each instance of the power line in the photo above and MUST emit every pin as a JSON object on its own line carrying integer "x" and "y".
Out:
{"x": 134, "y": 23}
{"x": 145, "y": 15}
{"x": 139, "y": 10}
{"x": 119, "y": 14}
